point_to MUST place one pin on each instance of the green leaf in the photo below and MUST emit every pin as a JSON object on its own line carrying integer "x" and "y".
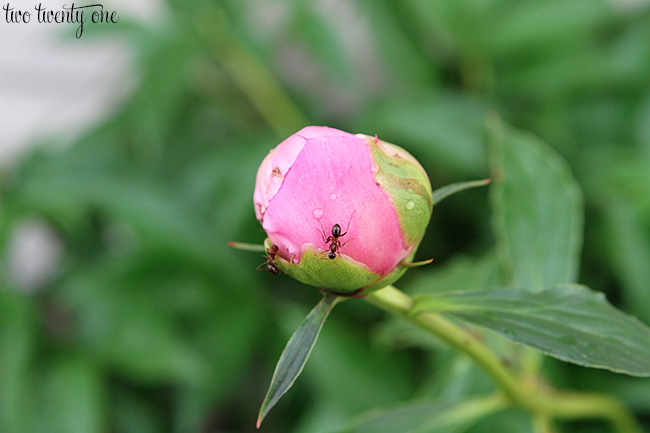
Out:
{"x": 120, "y": 324}
{"x": 161, "y": 215}
{"x": 398, "y": 55}
{"x": 130, "y": 412}
{"x": 370, "y": 375}
{"x": 569, "y": 322}
{"x": 323, "y": 40}
{"x": 628, "y": 245}
{"x": 18, "y": 324}
{"x": 525, "y": 27}
{"x": 443, "y": 130}
{"x": 295, "y": 354}
{"x": 459, "y": 273}
{"x": 444, "y": 192}
{"x": 538, "y": 211}
{"x": 74, "y": 395}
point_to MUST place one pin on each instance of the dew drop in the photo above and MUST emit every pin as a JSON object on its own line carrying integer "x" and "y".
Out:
{"x": 317, "y": 213}
{"x": 410, "y": 205}
{"x": 333, "y": 196}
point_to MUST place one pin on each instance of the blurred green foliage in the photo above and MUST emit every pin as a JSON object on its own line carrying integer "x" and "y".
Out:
{"x": 150, "y": 323}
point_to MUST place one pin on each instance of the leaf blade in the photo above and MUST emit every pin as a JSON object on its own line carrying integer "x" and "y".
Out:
{"x": 538, "y": 210}
{"x": 295, "y": 354}
{"x": 568, "y": 322}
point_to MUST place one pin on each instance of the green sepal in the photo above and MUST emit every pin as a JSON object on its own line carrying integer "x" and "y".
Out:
{"x": 341, "y": 275}
{"x": 407, "y": 185}
{"x": 416, "y": 264}
{"x": 444, "y": 192}
{"x": 246, "y": 246}
{"x": 395, "y": 275}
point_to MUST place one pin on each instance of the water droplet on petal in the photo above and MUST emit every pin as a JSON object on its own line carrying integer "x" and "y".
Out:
{"x": 333, "y": 196}
{"x": 317, "y": 213}
{"x": 410, "y": 205}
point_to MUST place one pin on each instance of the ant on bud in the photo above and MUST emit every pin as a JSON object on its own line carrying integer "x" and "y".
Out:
{"x": 269, "y": 265}
{"x": 335, "y": 245}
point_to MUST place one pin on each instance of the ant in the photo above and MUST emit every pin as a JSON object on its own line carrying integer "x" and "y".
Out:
{"x": 268, "y": 265}
{"x": 335, "y": 245}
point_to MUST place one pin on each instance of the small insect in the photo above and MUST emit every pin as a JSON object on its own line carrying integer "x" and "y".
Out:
{"x": 269, "y": 265}
{"x": 335, "y": 245}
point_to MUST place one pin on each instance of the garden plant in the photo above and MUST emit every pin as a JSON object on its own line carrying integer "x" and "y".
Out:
{"x": 456, "y": 238}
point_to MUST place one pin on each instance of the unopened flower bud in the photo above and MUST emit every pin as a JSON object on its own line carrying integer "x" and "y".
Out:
{"x": 347, "y": 212}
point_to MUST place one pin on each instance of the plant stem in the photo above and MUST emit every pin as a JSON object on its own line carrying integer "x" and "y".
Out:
{"x": 542, "y": 424}
{"x": 470, "y": 410}
{"x": 573, "y": 405}
{"x": 541, "y": 403}
{"x": 399, "y": 303}
{"x": 250, "y": 74}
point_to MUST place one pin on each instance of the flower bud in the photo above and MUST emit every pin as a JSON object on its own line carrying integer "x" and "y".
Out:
{"x": 347, "y": 212}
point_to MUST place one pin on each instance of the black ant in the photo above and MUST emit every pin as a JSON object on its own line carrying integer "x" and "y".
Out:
{"x": 268, "y": 265}
{"x": 335, "y": 245}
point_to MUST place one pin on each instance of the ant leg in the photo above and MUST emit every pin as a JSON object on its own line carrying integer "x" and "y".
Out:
{"x": 343, "y": 244}
{"x": 349, "y": 221}
{"x": 322, "y": 233}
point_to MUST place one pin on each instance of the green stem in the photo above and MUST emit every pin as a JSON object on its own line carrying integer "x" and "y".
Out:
{"x": 572, "y": 405}
{"x": 470, "y": 410}
{"x": 539, "y": 402}
{"x": 249, "y": 73}
{"x": 542, "y": 423}
{"x": 399, "y": 303}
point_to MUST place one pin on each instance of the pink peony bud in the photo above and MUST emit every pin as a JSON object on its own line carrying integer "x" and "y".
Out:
{"x": 377, "y": 193}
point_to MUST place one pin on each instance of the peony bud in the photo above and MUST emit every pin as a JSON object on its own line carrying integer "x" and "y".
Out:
{"x": 377, "y": 193}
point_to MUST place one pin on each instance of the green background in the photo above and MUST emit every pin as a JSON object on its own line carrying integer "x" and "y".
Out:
{"x": 151, "y": 323}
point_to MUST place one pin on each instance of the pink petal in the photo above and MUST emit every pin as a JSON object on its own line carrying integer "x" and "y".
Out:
{"x": 276, "y": 164}
{"x": 331, "y": 182}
